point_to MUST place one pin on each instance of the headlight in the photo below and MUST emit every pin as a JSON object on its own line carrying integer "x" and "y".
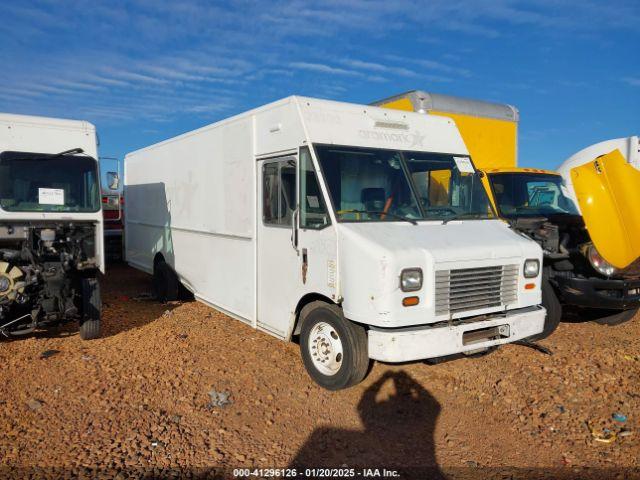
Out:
{"x": 531, "y": 268}
{"x": 411, "y": 279}
{"x": 600, "y": 264}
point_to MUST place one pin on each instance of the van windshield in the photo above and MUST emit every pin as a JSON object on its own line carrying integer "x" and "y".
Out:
{"x": 535, "y": 194}
{"x": 367, "y": 184}
{"x": 35, "y": 182}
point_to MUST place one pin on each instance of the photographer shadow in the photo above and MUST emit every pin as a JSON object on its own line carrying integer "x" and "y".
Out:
{"x": 399, "y": 418}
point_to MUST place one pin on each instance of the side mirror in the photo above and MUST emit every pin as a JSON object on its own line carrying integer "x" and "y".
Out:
{"x": 113, "y": 180}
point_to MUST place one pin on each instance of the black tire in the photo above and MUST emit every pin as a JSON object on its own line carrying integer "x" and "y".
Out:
{"x": 91, "y": 309}
{"x": 554, "y": 311}
{"x": 353, "y": 338}
{"x": 618, "y": 318}
{"x": 166, "y": 285}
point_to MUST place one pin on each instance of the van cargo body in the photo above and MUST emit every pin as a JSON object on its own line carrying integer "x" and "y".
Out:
{"x": 51, "y": 226}
{"x": 312, "y": 218}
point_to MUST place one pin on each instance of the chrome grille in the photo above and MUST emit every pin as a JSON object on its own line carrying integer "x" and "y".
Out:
{"x": 475, "y": 288}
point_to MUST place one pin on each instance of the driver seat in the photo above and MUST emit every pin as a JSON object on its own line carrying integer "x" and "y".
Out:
{"x": 373, "y": 198}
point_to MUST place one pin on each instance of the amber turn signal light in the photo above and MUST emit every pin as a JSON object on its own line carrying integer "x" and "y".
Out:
{"x": 530, "y": 286}
{"x": 410, "y": 301}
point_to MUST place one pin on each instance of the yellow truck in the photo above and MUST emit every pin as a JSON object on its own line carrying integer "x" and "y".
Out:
{"x": 586, "y": 217}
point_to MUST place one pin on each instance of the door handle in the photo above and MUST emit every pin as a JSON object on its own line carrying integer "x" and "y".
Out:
{"x": 305, "y": 265}
{"x": 294, "y": 229}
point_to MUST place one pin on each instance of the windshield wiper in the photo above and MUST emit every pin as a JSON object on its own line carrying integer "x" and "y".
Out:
{"x": 379, "y": 212}
{"x": 442, "y": 210}
{"x": 73, "y": 151}
{"x": 459, "y": 216}
{"x": 455, "y": 216}
{"x": 49, "y": 156}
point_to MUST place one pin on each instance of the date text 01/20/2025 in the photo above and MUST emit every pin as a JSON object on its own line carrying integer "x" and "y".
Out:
{"x": 315, "y": 473}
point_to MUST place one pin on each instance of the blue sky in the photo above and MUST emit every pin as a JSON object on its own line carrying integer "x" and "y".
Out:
{"x": 146, "y": 70}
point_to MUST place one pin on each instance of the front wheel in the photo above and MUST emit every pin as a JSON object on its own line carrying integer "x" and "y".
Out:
{"x": 91, "y": 309}
{"x": 334, "y": 350}
{"x": 554, "y": 311}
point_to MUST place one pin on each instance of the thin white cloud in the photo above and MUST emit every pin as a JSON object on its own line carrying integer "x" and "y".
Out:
{"x": 378, "y": 67}
{"x": 74, "y": 85}
{"x": 441, "y": 67}
{"x": 105, "y": 80}
{"x": 210, "y": 107}
{"x": 133, "y": 76}
{"x": 323, "y": 68}
{"x": 633, "y": 81}
{"x": 412, "y": 68}
{"x": 20, "y": 91}
{"x": 165, "y": 73}
{"x": 425, "y": 66}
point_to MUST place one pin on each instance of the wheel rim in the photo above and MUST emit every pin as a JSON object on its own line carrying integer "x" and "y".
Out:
{"x": 325, "y": 348}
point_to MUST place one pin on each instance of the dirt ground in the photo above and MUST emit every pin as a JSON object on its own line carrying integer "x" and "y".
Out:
{"x": 149, "y": 399}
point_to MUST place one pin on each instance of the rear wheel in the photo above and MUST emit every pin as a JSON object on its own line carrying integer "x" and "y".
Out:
{"x": 166, "y": 285}
{"x": 554, "y": 311}
{"x": 334, "y": 350}
{"x": 91, "y": 309}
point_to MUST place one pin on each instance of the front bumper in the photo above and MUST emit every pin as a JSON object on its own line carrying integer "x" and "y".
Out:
{"x": 599, "y": 293}
{"x": 417, "y": 343}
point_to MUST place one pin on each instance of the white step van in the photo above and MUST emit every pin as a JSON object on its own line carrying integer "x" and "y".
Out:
{"x": 320, "y": 220}
{"x": 51, "y": 227}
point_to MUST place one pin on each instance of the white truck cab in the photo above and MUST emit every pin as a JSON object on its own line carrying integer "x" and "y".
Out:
{"x": 322, "y": 221}
{"x": 51, "y": 227}
{"x": 604, "y": 180}
{"x": 629, "y": 148}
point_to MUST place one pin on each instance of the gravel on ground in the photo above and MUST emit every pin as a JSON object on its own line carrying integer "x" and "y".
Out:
{"x": 178, "y": 387}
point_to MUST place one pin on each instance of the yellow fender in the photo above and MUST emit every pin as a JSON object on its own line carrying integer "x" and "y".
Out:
{"x": 608, "y": 192}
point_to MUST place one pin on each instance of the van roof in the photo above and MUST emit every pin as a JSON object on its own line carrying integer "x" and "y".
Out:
{"x": 299, "y": 100}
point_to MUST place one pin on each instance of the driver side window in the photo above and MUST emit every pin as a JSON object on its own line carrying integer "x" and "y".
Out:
{"x": 313, "y": 211}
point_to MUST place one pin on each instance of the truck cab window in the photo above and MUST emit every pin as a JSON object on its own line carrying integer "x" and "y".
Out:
{"x": 313, "y": 211}
{"x": 278, "y": 192}
{"x": 37, "y": 182}
{"x": 367, "y": 185}
{"x": 432, "y": 187}
{"x": 533, "y": 195}
{"x": 445, "y": 190}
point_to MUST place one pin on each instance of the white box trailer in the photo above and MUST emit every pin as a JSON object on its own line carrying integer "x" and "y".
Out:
{"x": 313, "y": 218}
{"x": 51, "y": 227}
